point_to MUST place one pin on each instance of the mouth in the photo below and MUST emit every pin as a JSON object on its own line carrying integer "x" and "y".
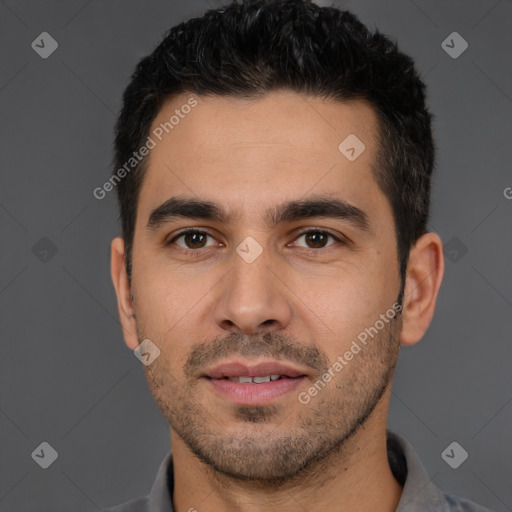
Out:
{"x": 259, "y": 379}
{"x": 256, "y": 384}
{"x": 268, "y": 370}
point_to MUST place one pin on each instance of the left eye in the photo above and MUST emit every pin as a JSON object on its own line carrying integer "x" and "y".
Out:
{"x": 316, "y": 238}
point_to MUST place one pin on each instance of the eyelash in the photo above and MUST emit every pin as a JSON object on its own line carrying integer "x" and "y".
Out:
{"x": 197, "y": 252}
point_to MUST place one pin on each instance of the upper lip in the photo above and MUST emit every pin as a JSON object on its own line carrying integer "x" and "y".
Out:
{"x": 240, "y": 369}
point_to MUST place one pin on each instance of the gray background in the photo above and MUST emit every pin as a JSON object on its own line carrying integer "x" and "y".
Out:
{"x": 66, "y": 376}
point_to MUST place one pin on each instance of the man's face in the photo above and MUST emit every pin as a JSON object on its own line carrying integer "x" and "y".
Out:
{"x": 299, "y": 290}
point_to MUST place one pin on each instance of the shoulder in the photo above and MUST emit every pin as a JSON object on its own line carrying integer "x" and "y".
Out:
{"x": 419, "y": 492}
{"x": 135, "y": 505}
{"x": 457, "y": 504}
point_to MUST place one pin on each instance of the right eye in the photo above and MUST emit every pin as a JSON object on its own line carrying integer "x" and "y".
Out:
{"x": 193, "y": 239}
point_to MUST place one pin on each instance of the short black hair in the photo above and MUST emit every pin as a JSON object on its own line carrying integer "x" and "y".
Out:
{"x": 252, "y": 47}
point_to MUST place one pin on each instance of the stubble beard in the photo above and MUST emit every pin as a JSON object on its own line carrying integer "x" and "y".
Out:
{"x": 278, "y": 444}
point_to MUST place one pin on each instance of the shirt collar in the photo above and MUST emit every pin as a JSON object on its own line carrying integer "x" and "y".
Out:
{"x": 160, "y": 497}
{"x": 419, "y": 493}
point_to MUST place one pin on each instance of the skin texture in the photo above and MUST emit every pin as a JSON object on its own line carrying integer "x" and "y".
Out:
{"x": 303, "y": 300}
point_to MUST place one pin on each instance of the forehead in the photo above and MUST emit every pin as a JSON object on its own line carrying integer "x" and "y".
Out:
{"x": 256, "y": 152}
{"x": 280, "y": 117}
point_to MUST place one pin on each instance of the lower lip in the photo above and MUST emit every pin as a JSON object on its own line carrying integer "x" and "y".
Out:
{"x": 242, "y": 393}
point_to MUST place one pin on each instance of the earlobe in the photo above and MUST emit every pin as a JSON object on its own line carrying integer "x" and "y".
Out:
{"x": 425, "y": 271}
{"x": 122, "y": 287}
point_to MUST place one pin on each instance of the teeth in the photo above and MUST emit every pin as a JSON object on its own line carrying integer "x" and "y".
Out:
{"x": 259, "y": 380}
{"x": 254, "y": 380}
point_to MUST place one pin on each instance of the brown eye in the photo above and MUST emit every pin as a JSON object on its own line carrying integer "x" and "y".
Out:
{"x": 192, "y": 239}
{"x": 316, "y": 239}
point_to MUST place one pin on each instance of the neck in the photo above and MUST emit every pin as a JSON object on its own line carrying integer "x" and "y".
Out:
{"x": 356, "y": 477}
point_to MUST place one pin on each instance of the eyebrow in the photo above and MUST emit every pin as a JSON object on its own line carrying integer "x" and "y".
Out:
{"x": 315, "y": 206}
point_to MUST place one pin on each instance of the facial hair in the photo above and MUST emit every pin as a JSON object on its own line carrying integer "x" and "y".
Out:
{"x": 265, "y": 449}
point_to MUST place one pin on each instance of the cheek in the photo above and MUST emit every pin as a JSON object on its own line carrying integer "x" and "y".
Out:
{"x": 346, "y": 304}
{"x": 158, "y": 304}
{"x": 168, "y": 308}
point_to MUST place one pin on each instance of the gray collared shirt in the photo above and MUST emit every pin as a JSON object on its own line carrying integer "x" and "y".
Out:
{"x": 419, "y": 493}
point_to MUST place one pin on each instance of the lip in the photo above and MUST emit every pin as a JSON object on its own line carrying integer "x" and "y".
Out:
{"x": 241, "y": 369}
{"x": 240, "y": 393}
{"x": 254, "y": 394}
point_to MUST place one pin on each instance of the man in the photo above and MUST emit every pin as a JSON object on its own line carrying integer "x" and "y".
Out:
{"x": 273, "y": 169}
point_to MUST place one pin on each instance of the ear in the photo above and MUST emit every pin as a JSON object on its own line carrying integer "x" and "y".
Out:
{"x": 122, "y": 286}
{"x": 425, "y": 270}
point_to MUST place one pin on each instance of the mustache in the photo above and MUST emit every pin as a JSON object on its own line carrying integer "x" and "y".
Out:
{"x": 271, "y": 345}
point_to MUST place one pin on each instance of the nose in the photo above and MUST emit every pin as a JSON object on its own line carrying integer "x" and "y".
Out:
{"x": 253, "y": 299}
